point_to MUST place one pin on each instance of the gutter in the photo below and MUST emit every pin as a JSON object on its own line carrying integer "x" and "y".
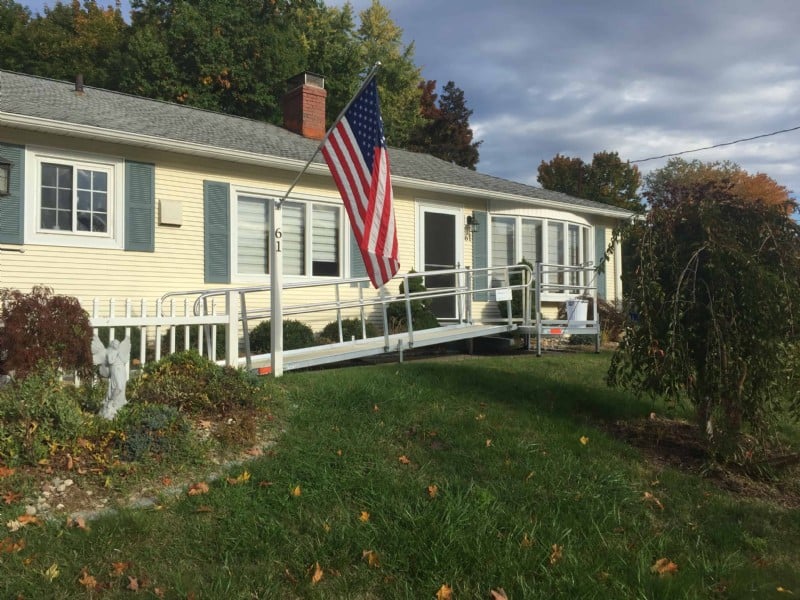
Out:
{"x": 95, "y": 133}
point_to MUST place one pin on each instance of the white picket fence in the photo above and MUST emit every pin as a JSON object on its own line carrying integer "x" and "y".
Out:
{"x": 156, "y": 320}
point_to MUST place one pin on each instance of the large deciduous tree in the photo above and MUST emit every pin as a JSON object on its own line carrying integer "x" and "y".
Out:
{"x": 715, "y": 290}
{"x": 445, "y": 132}
{"x": 606, "y": 179}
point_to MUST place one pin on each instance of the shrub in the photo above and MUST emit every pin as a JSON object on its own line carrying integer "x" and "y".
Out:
{"x": 421, "y": 315}
{"x": 38, "y": 414}
{"x": 180, "y": 339}
{"x": 351, "y": 328}
{"x": 146, "y": 430}
{"x": 42, "y": 328}
{"x": 295, "y": 335}
{"x": 192, "y": 383}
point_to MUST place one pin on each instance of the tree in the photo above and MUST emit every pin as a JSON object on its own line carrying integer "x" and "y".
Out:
{"x": 607, "y": 179}
{"x": 705, "y": 329}
{"x": 381, "y": 41}
{"x": 67, "y": 40}
{"x": 446, "y": 132}
{"x": 663, "y": 185}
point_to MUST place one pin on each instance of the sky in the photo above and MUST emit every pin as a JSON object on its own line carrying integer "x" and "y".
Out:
{"x": 639, "y": 77}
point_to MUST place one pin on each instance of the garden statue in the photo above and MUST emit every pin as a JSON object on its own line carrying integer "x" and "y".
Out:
{"x": 113, "y": 363}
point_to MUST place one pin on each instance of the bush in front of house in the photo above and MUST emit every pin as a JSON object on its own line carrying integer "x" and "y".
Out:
{"x": 38, "y": 413}
{"x": 194, "y": 384}
{"x": 351, "y": 328}
{"x": 151, "y": 430}
{"x": 41, "y": 328}
{"x": 421, "y": 315}
{"x": 295, "y": 335}
{"x": 180, "y": 340}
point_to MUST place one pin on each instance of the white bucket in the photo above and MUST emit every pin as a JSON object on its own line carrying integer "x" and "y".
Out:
{"x": 577, "y": 309}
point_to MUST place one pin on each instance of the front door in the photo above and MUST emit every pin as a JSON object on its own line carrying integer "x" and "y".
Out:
{"x": 440, "y": 252}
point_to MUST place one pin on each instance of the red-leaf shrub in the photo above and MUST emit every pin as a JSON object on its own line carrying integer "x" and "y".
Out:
{"x": 41, "y": 327}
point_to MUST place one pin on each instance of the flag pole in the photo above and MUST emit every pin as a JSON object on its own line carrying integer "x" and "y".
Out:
{"x": 275, "y": 251}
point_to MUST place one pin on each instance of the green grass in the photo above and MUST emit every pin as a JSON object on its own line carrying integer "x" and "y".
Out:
{"x": 500, "y": 507}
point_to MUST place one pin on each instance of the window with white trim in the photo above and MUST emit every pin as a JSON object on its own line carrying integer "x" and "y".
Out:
{"x": 516, "y": 238}
{"x": 311, "y": 240}
{"x": 77, "y": 199}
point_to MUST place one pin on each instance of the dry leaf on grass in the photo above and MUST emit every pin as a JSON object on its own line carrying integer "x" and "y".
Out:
{"x": 364, "y": 516}
{"x": 6, "y": 471}
{"x": 663, "y": 567}
{"x": 11, "y": 497}
{"x": 371, "y": 557}
{"x": 433, "y": 490}
{"x": 296, "y": 491}
{"x": 499, "y": 594}
{"x": 198, "y": 488}
{"x": 316, "y": 577}
{"x": 86, "y": 580}
{"x": 8, "y": 545}
{"x": 648, "y": 497}
{"x": 556, "y": 553}
{"x": 51, "y": 572}
{"x": 584, "y": 440}
{"x": 488, "y": 442}
{"x": 133, "y": 584}
{"x": 243, "y": 478}
{"x": 445, "y": 592}
{"x": 404, "y": 460}
{"x": 119, "y": 568}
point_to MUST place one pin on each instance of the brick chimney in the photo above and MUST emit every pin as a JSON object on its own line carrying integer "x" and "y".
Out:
{"x": 304, "y": 105}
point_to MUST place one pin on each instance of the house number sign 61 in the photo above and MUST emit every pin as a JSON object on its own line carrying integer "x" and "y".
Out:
{"x": 278, "y": 235}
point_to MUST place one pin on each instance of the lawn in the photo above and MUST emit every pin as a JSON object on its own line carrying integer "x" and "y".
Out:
{"x": 437, "y": 478}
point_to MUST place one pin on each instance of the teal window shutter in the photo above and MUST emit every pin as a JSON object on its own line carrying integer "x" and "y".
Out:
{"x": 12, "y": 207}
{"x": 140, "y": 207}
{"x": 600, "y": 260}
{"x": 357, "y": 267}
{"x": 216, "y": 228}
{"x": 480, "y": 253}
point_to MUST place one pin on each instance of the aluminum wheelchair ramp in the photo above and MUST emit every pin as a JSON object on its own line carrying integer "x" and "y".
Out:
{"x": 398, "y": 342}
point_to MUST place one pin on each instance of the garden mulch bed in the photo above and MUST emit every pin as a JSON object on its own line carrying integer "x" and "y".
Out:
{"x": 678, "y": 443}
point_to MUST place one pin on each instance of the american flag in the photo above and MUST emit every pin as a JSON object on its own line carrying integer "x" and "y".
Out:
{"x": 355, "y": 151}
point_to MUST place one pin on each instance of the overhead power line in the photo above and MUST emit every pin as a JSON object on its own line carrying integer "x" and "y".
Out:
{"x": 755, "y": 137}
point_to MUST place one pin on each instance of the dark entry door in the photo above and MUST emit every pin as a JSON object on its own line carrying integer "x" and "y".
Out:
{"x": 440, "y": 254}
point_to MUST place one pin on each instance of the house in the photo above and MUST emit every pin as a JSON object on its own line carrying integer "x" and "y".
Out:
{"x": 117, "y": 196}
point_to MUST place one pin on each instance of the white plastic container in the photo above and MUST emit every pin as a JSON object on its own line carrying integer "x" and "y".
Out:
{"x": 577, "y": 309}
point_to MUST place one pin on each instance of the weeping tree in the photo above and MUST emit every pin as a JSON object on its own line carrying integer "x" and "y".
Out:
{"x": 715, "y": 305}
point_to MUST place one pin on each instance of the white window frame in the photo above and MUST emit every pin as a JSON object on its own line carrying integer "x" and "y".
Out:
{"x": 308, "y": 201}
{"x": 115, "y": 167}
{"x": 585, "y": 244}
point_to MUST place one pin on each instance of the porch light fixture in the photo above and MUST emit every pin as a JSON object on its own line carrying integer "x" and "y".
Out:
{"x": 471, "y": 226}
{"x": 5, "y": 177}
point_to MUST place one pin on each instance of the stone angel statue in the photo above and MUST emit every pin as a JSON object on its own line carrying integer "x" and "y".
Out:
{"x": 113, "y": 363}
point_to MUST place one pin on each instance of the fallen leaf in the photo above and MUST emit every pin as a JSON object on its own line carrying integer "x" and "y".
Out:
{"x": 529, "y": 476}
{"x": 159, "y": 592}
{"x": 371, "y": 557}
{"x": 198, "y": 488}
{"x": 480, "y": 417}
{"x": 11, "y": 497}
{"x": 78, "y": 522}
{"x": 86, "y": 580}
{"x": 265, "y": 483}
{"x": 488, "y": 442}
{"x": 204, "y": 424}
{"x": 499, "y": 594}
{"x": 6, "y": 471}
{"x": 445, "y": 592}
{"x": 166, "y": 481}
{"x": 526, "y": 541}
{"x": 243, "y": 478}
{"x": 133, "y": 584}
{"x": 339, "y": 452}
{"x": 318, "y": 574}
{"x": 70, "y": 462}
{"x": 326, "y": 527}
{"x": 203, "y": 508}
{"x": 254, "y": 451}
{"x": 663, "y": 567}
{"x": 783, "y": 590}
{"x": 556, "y": 553}
{"x": 28, "y": 519}
{"x": 648, "y": 497}
{"x": 52, "y": 572}
{"x": 296, "y": 491}
{"x": 584, "y": 440}
{"x": 364, "y": 516}
{"x": 118, "y": 568}
{"x": 404, "y": 460}
{"x": 375, "y": 408}
{"x": 8, "y": 545}
{"x": 433, "y": 490}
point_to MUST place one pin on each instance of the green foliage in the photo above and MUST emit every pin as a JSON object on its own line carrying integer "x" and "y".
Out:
{"x": 192, "y": 383}
{"x": 37, "y": 414}
{"x": 607, "y": 179}
{"x": 516, "y": 295}
{"x": 180, "y": 340}
{"x": 296, "y": 334}
{"x": 351, "y": 328}
{"x": 151, "y": 430}
{"x": 41, "y": 328}
{"x": 445, "y": 133}
{"x": 421, "y": 315}
{"x": 715, "y": 290}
